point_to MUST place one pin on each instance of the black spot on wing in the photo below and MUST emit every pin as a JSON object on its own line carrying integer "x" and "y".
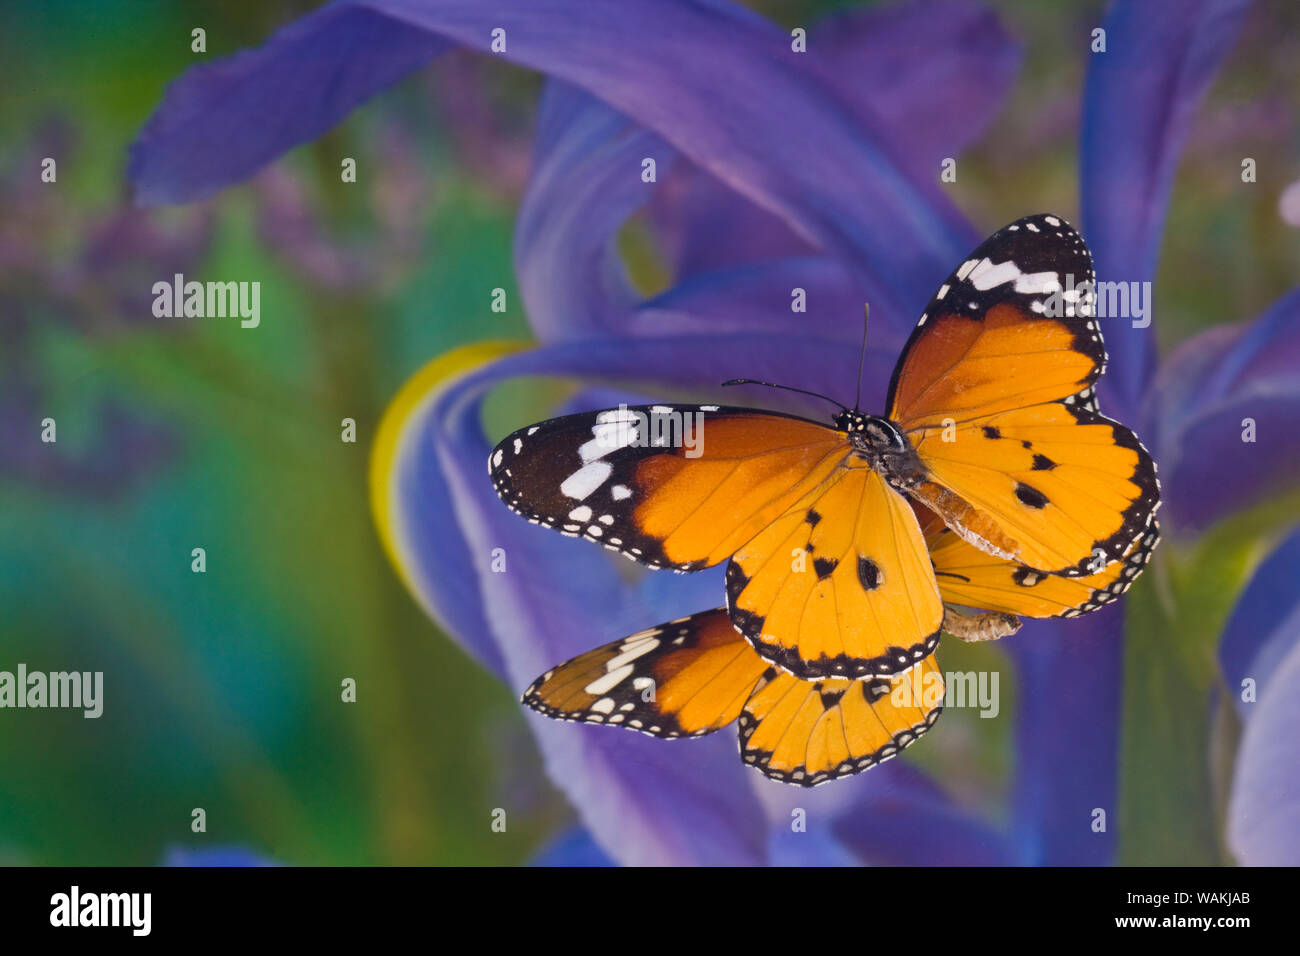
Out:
{"x": 824, "y": 567}
{"x": 830, "y": 698}
{"x": 868, "y": 573}
{"x": 1043, "y": 463}
{"x": 1030, "y": 496}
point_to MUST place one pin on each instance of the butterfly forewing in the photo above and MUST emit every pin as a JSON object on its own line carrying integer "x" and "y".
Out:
{"x": 1012, "y": 326}
{"x": 669, "y": 486}
{"x": 995, "y": 393}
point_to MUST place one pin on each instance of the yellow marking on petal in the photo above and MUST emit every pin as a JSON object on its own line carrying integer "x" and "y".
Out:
{"x": 410, "y": 402}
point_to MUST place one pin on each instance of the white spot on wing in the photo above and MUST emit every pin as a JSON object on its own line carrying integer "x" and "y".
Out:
{"x": 586, "y": 479}
{"x": 606, "y": 682}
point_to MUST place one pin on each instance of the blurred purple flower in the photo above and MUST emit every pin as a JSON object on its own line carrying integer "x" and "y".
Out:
{"x": 87, "y": 272}
{"x": 778, "y": 170}
{"x": 397, "y": 201}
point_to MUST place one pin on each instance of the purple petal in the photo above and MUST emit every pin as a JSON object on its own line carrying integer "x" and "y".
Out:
{"x": 1070, "y": 681}
{"x": 928, "y": 77}
{"x": 1203, "y": 396}
{"x": 1265, "y": 800}
{"x": 816, "y": 846}
{"x": 584, "y": 187}
{"x": 1262, "y": 629}
{"x": 787, "y": 144}
{"x": 933, "y": 73}
{"x": 759, "y": 297}
{"x": 905, "y": 820}
{"x": 586, "y": 182}
{"x": 222, "y": 122}
{"x": 647, "y": 801}
{"x": 1141, "y": 93}
{"x": 573, "y": 847}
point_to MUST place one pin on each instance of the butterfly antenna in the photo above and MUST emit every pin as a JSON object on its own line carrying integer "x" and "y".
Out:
{"x": 788, "y": 388}
{"x": 862, "y": 356}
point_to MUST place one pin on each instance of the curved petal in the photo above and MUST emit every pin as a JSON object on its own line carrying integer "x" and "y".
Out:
{"x": 1227, "y": 383}
{"x": 934, "y": 73}
{"x": 410, "y": 502}
{"x": 788, "y": 144}
{"x": 1265, "y": 800}
{"x": 222, "y": 122}
{"x": 1070, "y": 682}
{"x": 1263, "y": 629}
{"x": 762, "y": 297}
{"x": 1140, "y": 95}
{"x": 930, "y": 75}
{"x": 586, "y": 182}
{"x": 646, "y": 801}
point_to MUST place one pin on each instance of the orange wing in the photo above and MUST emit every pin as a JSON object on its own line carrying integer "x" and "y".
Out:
{"x": 696, "y": 675}
{"x": 1012, "y": 326}
{"x": 840, "y": 585}
{"x": 994, "y": 392}
{"x": 682, "y": 679}
{"x": 807, "y": 733}
{"x": 971, "y": 578}
{"x": 669, "y": 486}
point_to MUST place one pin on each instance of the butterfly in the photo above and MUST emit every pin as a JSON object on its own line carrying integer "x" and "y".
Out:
{"x": 991, "y": 424}
{"x": 696, "y": 675}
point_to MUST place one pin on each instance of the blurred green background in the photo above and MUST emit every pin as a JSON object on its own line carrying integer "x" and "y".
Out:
{"x": 175, "y": 434}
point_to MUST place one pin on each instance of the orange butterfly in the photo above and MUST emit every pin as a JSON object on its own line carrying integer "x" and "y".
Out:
{"x": 694, "y": 676}
{"x": 990, "y": 424}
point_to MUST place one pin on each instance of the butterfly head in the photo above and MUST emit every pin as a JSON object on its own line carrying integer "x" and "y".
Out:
{"x": 880, "y": 434}
{"x": 882, "y": 444}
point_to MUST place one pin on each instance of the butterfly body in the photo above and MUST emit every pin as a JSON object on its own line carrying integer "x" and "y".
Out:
{"x": 881, "y": 444}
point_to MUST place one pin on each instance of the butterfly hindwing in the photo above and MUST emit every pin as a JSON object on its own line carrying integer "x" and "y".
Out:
{"x": 1057, "y": 487}
{"x": 840, "y": 585}
{"x": 669, "y": 486}
{"x": 971, "y": 578}
{"x": 809, "y": 732}
{"x": 681, "y": 679}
